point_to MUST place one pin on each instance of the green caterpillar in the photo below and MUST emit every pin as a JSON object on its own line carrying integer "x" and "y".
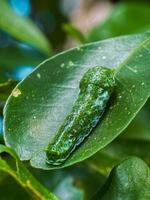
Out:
{"x": 96, "y": 86}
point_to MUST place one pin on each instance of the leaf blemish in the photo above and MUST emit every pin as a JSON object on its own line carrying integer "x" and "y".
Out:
{"x": 70, "y": 64}
{"x": 16, "y": 93}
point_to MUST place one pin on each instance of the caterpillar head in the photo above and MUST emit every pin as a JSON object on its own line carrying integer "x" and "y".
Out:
{"x": 98, "y": 77}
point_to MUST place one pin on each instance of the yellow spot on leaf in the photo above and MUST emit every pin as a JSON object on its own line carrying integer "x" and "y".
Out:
{"x": 16, "y": 92}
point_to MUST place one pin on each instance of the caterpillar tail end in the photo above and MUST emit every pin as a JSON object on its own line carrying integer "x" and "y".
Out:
{"x": 54, "y": 157}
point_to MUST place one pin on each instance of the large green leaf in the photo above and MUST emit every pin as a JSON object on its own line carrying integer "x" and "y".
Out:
{"x": 17, "y": 170}
{"x": 22, "y": 28}
{"x": 130, "y": 180}
{"x": 39, "y": 103}
{"x": 122, "y": 21}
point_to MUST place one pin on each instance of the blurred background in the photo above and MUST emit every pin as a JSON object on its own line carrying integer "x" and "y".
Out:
{"x": 32, "y": 31}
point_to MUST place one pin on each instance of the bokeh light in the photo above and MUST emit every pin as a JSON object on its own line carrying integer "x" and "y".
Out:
{"x": 21, "y": 7}
{"x": 21, "y": 72}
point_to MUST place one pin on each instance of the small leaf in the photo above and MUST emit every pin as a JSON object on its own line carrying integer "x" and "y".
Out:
{"x": 18, "y": 171}
{"x": 22, "y": 28}
{"x": 50, "y": 91}
{"x": 129, "y": 180}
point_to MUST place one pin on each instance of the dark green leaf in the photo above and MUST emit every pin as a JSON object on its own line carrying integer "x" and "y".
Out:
{"x": 50, "y": 91}
{"x": 130, "y": 180}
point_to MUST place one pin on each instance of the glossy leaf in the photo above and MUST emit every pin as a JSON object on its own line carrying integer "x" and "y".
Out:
{"x": 50, "y": 91}
{"x": 122, "y": 21}
{"x": 128, "y": 180}
{"x": 22, "y": 28}
{"x": 18, "y": 171}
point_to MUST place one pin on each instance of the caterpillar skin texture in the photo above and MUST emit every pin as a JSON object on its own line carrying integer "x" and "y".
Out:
{"x": 96, "y": 87}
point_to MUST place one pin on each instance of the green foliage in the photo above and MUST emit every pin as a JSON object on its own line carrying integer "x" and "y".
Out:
{"x": 9, "y": 186}
{"x": 71, "y": 182}
{"x": 128, "y": 180}
{"x": 104, "y": 160}
{"x": 122, "y": 21}
{"x": 126, "y": 102}
{"x": 38, "y": 105}
{"x": 22, "y": 28}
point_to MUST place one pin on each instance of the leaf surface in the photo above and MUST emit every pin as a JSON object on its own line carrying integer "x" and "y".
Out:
{"x": 39, "y": 104}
